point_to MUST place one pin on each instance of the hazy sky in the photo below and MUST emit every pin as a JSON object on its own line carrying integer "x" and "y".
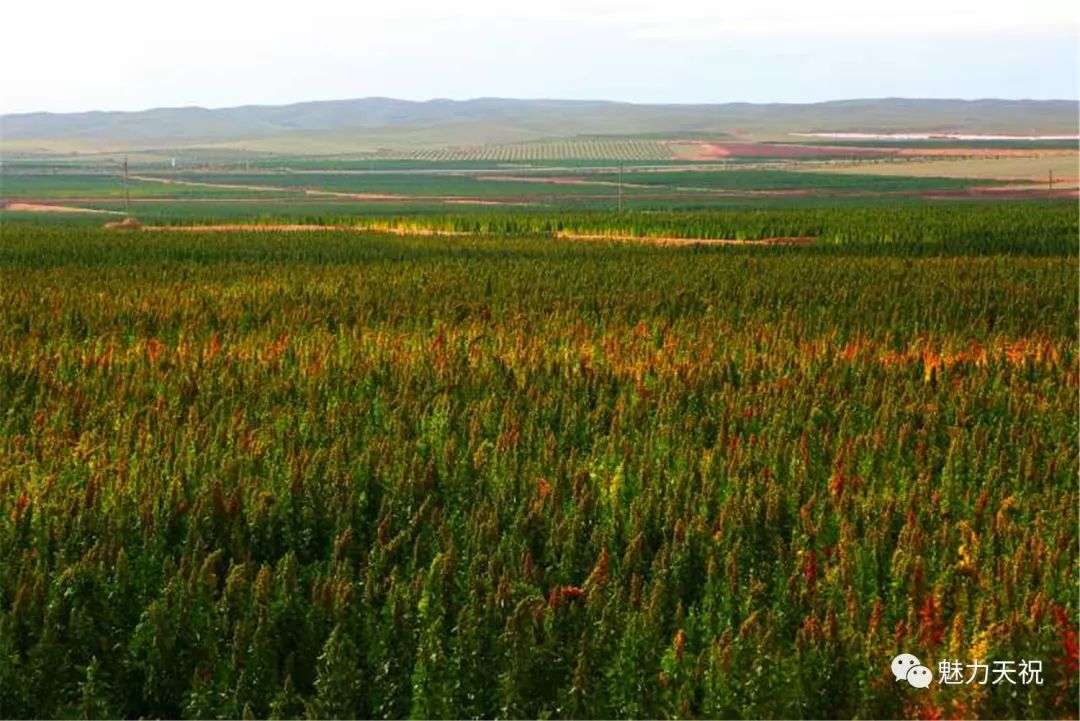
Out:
{"x": 71, "y": 55}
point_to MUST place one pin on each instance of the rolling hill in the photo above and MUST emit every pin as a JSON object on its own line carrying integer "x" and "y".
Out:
{"x": 370, "y": 124}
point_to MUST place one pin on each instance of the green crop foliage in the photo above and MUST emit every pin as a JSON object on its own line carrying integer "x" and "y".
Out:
{"x": 62, "y": 185}
{"x": 768, "y": 179}
{"x": 335, "y": 474}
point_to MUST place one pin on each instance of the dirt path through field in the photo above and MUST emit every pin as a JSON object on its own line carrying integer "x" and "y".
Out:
{"x": 354, "y": 196}
{"x": 199, "y": 184}
{"x": 271, "y": 189}
{"x": 296, "y": 227}
{"x": 482, "y": 201}
{"x": 47, "y": 208}
{"x": 670, "y": 240}
{"x": 317, "y": 193}
{"x": 562, "y": 180}
{"x": 245, "y": 227}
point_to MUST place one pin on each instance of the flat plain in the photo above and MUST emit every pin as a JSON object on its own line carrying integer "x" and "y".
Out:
{"x": 617, "y": 434}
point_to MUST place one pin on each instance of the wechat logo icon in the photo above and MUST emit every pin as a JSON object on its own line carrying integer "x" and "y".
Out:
{"x": 907, "y": 667}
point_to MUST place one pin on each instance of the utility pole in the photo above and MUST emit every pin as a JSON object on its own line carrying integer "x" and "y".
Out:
{"x": 1051, "y": 182}
{"x": 620, "y": 187}
{"x": 127, "y": 194}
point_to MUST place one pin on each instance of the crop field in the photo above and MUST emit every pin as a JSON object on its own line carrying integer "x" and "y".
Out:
{"x": 66, "y": 185}
{"x": 404, "y": 184}
{"x": 391, "y": 163}
{"x": 467, "y": 213}
{"x": 80, "y": 187}
{"x": 496, "y": 473}
{"x": 359, "y": 189}
{"x": 769, "y": 180}
{"x": 1064, "y": 165}
{"x": 562, "y": 149}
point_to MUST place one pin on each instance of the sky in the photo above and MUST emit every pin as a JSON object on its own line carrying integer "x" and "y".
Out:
{"x": 74, "y": 55}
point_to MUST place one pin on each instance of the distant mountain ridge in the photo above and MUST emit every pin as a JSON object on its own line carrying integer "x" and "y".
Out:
{"x": 387, "y": 122}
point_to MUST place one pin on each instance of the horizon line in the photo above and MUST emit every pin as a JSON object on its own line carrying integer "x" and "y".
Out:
{"x": 544, "y": 99}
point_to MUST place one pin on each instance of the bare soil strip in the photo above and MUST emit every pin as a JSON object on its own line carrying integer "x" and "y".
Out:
{"x": 1033, "y": 192}
{"x": 478, "y": 201}
{"x": 198, "y": 184}
{"x": 277, "y": 228}
{"x": 432, "y": 232}
{"x": 297, "y": 227}
{"x": 316, "y": 193}
{"x": 561, "y": 180}
{"x": 271, "y": 188}
{"x": 47, "y": 208}
{"x": 705, "y": 150}
{"x": 355, "y": 196}
{"x": 986, "y": 152}
{"x": 667, "y": 240}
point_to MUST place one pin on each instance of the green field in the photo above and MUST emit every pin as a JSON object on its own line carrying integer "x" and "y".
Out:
{"x": 408, "y": 184}
{"x": 561, "y": 149}
{"x": 338, "y": 474}
{"x": 757, "y": 180}
{"x": 68, "y": 185}
{"x": 335, "y": 187}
